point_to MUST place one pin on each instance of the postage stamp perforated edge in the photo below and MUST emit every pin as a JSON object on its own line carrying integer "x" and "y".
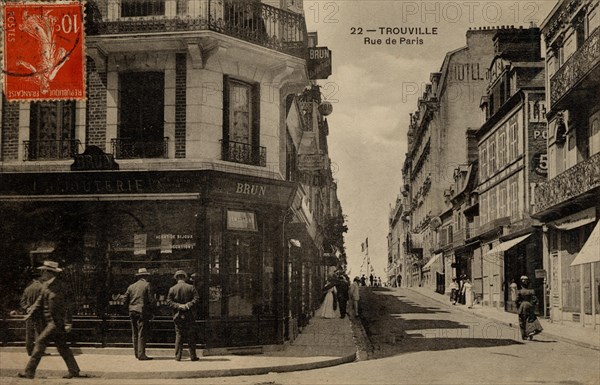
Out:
{"x": 3, "y": 73}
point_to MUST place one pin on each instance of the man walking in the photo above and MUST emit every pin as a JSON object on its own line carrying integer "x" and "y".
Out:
{"x": 34, "y": 324}
{"x": 140, "y": 298}
{"x": 57, "y": 322}
{"x": 354, "y": 295}
{"x": 183, "y": 298}
{"x": 342, "y": 294}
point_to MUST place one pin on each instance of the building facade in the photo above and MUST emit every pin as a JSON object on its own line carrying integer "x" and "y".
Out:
{"x": 568, "y": 203}
{"x": 436, "y": 146}
{"x": 512, "y": 160}
{"x": 176, "y": 160}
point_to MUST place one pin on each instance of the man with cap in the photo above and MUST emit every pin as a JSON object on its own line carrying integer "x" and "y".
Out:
{"x": 57, "y": 321}
{"x": 183, "y": 299}
{"x": 140, "y": 298}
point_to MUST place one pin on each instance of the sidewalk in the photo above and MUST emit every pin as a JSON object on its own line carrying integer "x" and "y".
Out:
{"x": 586, "y": 337}
{"x": 323, "y": 343}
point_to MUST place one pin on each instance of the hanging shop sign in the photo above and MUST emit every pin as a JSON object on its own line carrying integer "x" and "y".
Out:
{"x": 319, "y": 63}
{"x": 311, "y": 162}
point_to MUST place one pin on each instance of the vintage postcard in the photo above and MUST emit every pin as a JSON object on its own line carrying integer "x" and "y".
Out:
{"x": 300, "y": 192}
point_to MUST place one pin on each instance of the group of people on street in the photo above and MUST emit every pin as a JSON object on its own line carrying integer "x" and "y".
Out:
{"x": 48, "y": 316}
{"x": 462, "y": 291}
{"x": 337, "y": 294}
{"x": 373, "y": 281}
{"x": 525, "y": 300}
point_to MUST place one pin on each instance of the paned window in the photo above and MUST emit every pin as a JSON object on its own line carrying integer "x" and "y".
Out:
{"x": 502, "y": 148}
{"x": 492, "y": 166}
{"x": 241, "y": 123}
{"x": 51, "y": 131}
{"x": 514, "y": 198}
{"x": 594, "y": 133}
{"x": 514, "y": 140}
{"x": 493, "y": 210}
{"x": 483, "y": 159}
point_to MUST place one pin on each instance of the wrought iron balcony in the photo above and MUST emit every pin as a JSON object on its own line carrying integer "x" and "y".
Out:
{"x": 243, "y": 153}
{"x": 55, "y": 149}
{"x": 126, "y": 148}
{"x": 248, "y": 20}
{"x": 576, "y": 68}
{"x": 569, "y": 185}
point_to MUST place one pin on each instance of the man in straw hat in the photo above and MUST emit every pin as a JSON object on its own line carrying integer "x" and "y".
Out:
{"x": 183, "y": 299}
{"x": 57, "y": 321}
{"x": 140, "y": 298}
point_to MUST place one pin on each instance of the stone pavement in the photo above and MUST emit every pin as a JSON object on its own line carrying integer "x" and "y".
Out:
{"x": 323, "y": 343}
{"x": 572, "y": 333}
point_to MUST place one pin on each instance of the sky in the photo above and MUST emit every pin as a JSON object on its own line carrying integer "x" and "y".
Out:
{"x": 374, "y": 88}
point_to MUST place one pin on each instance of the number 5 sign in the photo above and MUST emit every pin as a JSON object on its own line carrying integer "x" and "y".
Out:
{"x": 43, "y": 51}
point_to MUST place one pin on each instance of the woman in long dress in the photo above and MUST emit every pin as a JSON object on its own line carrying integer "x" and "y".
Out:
{"x": 527, "y": 302}
{"x": 468, "y": 293}
{"x": 329, "y": 308}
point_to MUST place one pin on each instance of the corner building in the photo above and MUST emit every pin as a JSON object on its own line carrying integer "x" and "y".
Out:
{"x": 175, "y": 161}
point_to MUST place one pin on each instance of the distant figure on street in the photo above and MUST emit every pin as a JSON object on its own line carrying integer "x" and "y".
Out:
{"x": 512, "y": 290}
{"x": 379, "y": 281}
{"x": 183, "y": 298}
{"x": 342, "y": 288}
{"x": 354, "y": 295}
{"x": 34, "y": 324}
{"x": 453, "y": 291}
{"x": 329, "y": 308}
{"x": 140, "y": 299}
{"x": 461, "y": 292}
{"x": 52, "y": 304}
{"x": 363, "y": 280}
{"x": 526, "y": 302}
{"x": 468, "y": 293}
{"x": 371, "y": 280}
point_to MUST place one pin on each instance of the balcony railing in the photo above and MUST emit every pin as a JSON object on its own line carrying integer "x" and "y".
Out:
{"x": 248, "y": 20}
{"x": 572, "y": 183}
{"x": 576, "y": 68}
{"x": 126, "y": 148}
{"x": 57, "y": 149}
{"x": 243, "y": 153}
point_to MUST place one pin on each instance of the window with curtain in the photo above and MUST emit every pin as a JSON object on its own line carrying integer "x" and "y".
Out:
{"x": 51, "y": 130}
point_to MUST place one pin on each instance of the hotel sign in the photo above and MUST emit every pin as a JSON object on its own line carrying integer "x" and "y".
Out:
{"x": 319, "y": 63}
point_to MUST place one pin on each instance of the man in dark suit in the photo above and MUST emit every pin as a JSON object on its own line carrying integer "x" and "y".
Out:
{"x": 183, "y": 298}
{"x": 140, "y": 299}
{"x": 34, "y": 324}
{"x": 52, "y": 304}
{"x": 342, "y": 288}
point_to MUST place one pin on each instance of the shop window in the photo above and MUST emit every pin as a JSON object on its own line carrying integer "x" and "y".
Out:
{"x": 241, "y": 123}
{"x": 243, "y": 275}
{"x": 51, "y": 131}
{"x": 214, "y": 220}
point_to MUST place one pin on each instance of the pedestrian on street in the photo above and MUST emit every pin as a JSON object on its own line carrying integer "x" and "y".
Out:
{"x": 141, "y": 302}
{"x": 461, "y": 291}
{"x": 354, "y": 295}
{"x": 453, "y": 291}
{"x": 371, "y": 279}
{"x": 34, "y": 324}
{"x": 363, "y": 280}
{"x": 183, "y": 298}
{"x": 342, "y": 288}
{"x": 468, "y": 292}
{"x": 526, "y": 302}
{"x": 329, "y": 308}
{"x": 52, "y": 304}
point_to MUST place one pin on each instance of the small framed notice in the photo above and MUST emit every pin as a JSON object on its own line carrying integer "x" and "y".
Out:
{"x": 241, "y": 220}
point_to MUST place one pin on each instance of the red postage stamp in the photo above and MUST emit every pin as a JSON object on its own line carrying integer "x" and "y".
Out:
{"x": 43, "y": 51}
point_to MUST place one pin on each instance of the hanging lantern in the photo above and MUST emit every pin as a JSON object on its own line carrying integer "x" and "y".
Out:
{"x": 325, "y": 108}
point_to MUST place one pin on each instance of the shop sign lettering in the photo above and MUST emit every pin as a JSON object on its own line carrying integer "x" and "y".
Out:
{"x": 250, "y": 189}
